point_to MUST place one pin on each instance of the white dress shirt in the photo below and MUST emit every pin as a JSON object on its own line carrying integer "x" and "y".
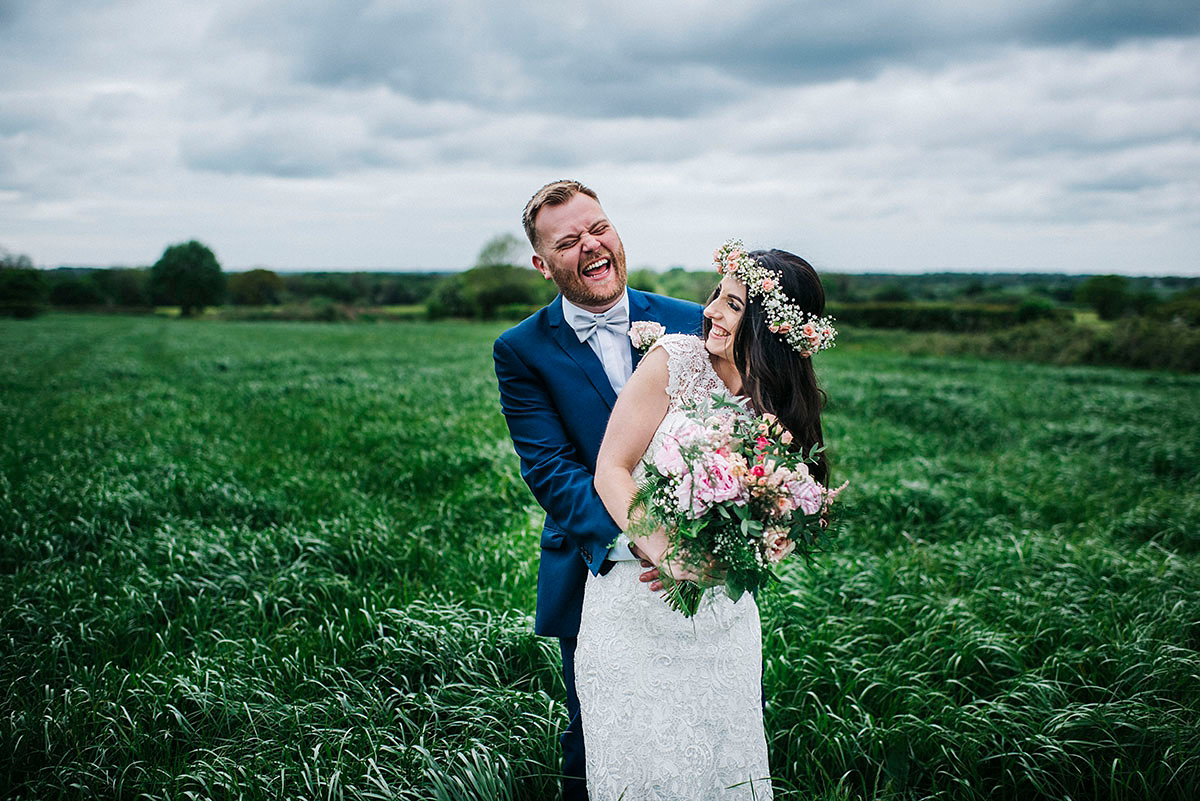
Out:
{"x": 613, "y": 350}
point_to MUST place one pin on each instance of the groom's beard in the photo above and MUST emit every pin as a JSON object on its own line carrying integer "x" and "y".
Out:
{"x": 582, "y": 292}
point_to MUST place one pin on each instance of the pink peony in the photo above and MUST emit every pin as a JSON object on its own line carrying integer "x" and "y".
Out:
{"x": 806, "y": 495}
{"x": 694, "y": 495}
{"x": 723, "y": 480}
{"x": 668, "y": 458}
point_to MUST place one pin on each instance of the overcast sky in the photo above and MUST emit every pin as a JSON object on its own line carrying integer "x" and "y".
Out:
{"x": 1027, "y": 135}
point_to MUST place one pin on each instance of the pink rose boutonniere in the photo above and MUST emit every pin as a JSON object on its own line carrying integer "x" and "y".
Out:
{"x": 645, "y": 333}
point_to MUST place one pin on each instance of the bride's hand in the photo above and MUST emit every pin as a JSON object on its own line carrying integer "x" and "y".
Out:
{"x": 704, "y": 572}
{"x": 653, "y": 551}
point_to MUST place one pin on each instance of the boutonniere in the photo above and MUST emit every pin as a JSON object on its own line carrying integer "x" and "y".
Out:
{"x": 645, "y": 333}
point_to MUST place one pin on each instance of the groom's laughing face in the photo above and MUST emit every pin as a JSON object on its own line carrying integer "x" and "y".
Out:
{"x": 579, "y": 250}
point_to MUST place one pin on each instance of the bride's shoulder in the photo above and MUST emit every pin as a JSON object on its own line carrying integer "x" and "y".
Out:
{"x": 679, "y": 344}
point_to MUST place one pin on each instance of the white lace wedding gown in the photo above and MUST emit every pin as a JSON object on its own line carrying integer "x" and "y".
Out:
{"x": 671, "y": 706}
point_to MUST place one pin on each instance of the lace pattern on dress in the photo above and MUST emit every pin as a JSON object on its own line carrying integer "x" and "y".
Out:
{"x": 691, "y": 379}
{"x": 672, "y": 706}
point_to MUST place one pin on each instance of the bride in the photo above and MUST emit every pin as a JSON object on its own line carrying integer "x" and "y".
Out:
{"x": 672, "y": 706}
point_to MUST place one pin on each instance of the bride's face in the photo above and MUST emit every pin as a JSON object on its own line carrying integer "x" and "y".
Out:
{"x": 725, "y": 313}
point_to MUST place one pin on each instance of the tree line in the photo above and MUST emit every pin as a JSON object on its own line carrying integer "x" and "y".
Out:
{"x": 189, "y": 276}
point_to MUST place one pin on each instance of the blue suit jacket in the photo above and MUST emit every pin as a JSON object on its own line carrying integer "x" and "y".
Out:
{"x": 556, "y": 399}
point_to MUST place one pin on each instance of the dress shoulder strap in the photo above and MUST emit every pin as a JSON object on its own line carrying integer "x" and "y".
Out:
{"x": 691, "y": 379}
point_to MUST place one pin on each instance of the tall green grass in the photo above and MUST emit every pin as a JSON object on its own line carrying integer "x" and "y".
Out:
{"x": 285, "y": 560}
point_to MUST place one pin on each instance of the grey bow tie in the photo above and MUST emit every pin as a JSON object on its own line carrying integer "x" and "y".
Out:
{"x": 615, "y": 320}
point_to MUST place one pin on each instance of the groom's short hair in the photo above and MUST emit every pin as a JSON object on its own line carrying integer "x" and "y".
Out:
{"x": 554, "y": 193}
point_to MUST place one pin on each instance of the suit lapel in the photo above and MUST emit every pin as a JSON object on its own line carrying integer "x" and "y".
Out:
{"x": 579, "y": 352}
{"x": 639, "y": 309}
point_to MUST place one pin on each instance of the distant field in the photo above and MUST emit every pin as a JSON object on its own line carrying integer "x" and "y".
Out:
{"x": 285, "y": 560}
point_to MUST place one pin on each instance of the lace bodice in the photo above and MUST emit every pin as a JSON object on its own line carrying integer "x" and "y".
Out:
{"x": 691, "y": 379}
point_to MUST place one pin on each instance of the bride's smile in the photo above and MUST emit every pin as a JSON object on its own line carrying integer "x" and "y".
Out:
{"x": 724, "y": 313}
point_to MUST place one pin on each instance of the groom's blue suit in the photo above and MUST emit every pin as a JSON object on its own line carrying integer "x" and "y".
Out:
{"x": 557, "y": 398}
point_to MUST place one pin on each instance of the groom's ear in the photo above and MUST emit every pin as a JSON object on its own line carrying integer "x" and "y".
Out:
{"x": 540, "y": 266}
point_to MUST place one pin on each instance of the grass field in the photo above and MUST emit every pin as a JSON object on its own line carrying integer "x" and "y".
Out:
{"x": 273, "y": 560}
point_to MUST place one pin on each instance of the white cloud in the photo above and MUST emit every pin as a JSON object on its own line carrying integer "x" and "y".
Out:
{"x": 368, "y": 133}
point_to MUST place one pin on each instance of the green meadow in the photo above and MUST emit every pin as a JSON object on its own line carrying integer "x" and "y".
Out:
{"x": 283, "y": 560}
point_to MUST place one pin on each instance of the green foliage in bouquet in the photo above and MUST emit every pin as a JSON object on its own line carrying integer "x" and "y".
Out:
{"x": 736, "y": 497}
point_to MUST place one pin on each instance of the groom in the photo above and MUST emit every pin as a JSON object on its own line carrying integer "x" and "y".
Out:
{"x": 559, "y": 372}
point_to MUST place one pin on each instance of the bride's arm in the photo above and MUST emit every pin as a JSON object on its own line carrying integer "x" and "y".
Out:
{"x": 640, "y": 408}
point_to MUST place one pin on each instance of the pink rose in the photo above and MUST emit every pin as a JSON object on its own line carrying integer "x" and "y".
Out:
{"x": 767, "y": 285}
{"x": 643, "y": 333}
{"x": 777, "y": 545}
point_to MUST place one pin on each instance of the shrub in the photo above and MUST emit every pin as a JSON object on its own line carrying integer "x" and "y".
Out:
{"x": 76, "y": 292}
{"x": 955, "y": 317}
{"x": 255, "y": 288}
{"x": 1182, "y": 308}
{"x": 481, "y": 292}
{"x": 1107, "y": 294}
{"x": 22, "y": 292}
{"x": 1139, "y": 342}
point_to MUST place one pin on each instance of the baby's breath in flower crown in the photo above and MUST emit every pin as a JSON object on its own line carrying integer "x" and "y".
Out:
{"x": 807, "y": 333}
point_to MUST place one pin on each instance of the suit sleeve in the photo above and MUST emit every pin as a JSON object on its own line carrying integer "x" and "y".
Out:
{"x": 550, "y": 463}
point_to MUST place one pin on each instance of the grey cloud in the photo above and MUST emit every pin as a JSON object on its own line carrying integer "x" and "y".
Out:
{"x": 1121, "y": 182}
{"x": 517, "y": 56}
{"x": 1105, "y": 23}
{"x": 277, "y": 153}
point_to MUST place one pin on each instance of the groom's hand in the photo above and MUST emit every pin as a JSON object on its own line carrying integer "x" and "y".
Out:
{"x": 649, "y": 572}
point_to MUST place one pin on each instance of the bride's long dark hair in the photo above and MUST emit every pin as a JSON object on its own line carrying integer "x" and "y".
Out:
{"x": 776, "y": 378}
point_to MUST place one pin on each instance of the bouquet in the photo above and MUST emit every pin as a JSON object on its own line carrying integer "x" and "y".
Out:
{"x": 734, "y": 498}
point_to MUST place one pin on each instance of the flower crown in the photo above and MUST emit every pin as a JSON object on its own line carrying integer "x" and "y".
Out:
{"x": 807, "y": 333}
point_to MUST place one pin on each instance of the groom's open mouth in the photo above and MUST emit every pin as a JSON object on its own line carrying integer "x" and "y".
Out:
{"x": 597, "y": 270}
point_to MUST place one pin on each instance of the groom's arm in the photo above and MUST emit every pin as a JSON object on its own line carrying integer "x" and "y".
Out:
{"x": 550, "y": 463}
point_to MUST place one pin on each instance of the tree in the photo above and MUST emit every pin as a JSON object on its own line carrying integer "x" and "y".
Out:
{"x": 22, "y": 287}
{"x": 1107, "y": 294}
{"x": 484, "y": 292}
{"x": 189, "y": 276}
{"x": 255, "y": 288}
{"x": 502, "y": 249}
